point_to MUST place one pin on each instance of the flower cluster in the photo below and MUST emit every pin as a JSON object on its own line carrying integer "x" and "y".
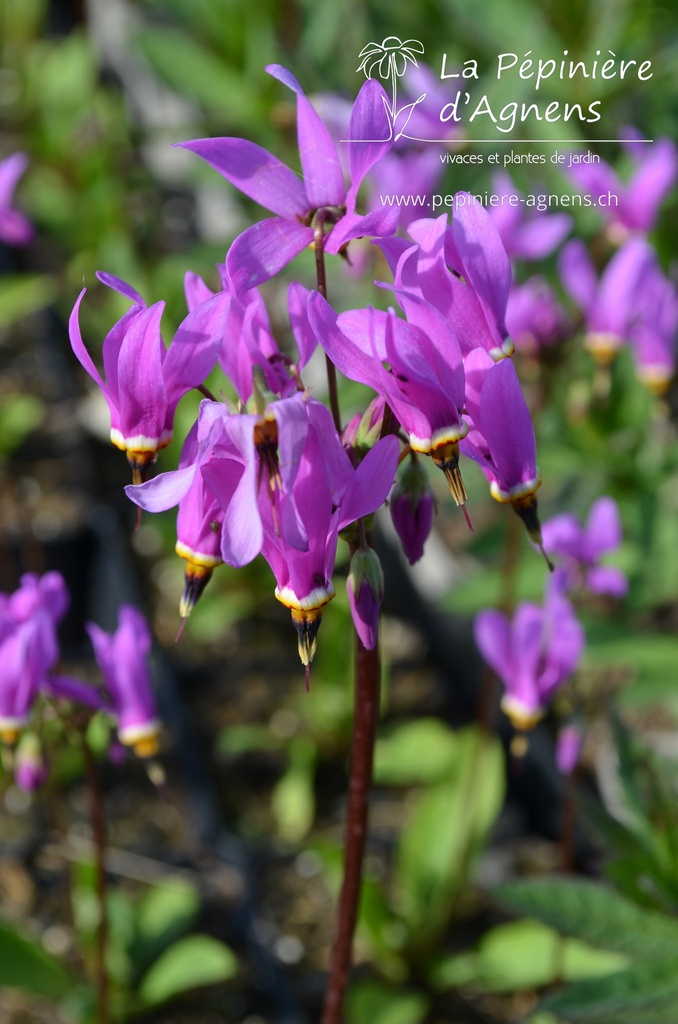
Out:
{"x": 29, "y": 650}
{"x": 272, "y": 473}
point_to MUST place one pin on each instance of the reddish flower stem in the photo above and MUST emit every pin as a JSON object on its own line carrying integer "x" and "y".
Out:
{"x": 366, "y": 715}
{"x": 98, "y": 825}
{"x": 321, "y": 282}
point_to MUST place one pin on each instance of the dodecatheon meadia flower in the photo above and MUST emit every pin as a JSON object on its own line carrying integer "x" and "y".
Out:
{"x": 240, "y": 457}
{"x": 305, "y": 205}
{"x": 248, "y": 339}
{"x": 631, "y": 206}
{"x": 411, "y": 505}
{"x": 501, "y": 438}
{"x": 462, "y": 270}
{"x": 330, "y": 495}
{"x": 15, "y": 229}
{"x": 569, "y": 743}
{"x": 653, "y": 335}
{"x": 424, "y": 381}
{"x": 533, "y": 653}
{"x": 143, "y": 381}
{"x": 527, "y": 232}
{"x": 611, "y": 305}
{"x": 534, "y": 317}
{"x": 122, "y": 657}
{"x": 29, "y": 651}
{"x": 582, "y": 547}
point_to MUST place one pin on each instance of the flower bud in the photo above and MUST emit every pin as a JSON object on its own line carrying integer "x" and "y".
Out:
{"x": 412, "y": 504}
{"x": 365, "y": 585}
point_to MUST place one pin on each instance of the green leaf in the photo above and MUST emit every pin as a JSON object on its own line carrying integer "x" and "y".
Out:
{"x": 370, "y": 1002}
{"x": 190, "y": 963}
{"x": 165, "y": 912}
{"x": 630, "y": 996}
{"x": 21, "y": 294}
{"x": 293, "y": 799}
{"x": 446, "y": 830}
{"x": 24, "y": 964}
{"x": 594, "y": 914}
{"x": 418, "y": 752}
{"x": 524, "y": 954}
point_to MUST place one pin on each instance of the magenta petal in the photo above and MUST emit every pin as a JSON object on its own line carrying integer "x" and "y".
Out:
{"x": 562, "y": 535}
{"x": 304, "y": 335}
{"x": 492, "y": 633}
{"x": 163, "y": 491}
{"x": 118, "y": 285}
{"x": 256, "y": 172}
{"x": 578, "y": 274}
{"x": 263, "y": 249}
{"x": 195, "y": 290}
{"x": 621, "y": 287}
{"x": 506, "y": 424}
{"x": 540, "y": 236}
{"x": 486, "y": 265}
{"x": 375, "y": 224}
{"x": 351, "y": 360}
{"x": 194, "y": 348}
{"x": 371, "y": 482}
{"x": 651, "y": 183}
{"x": 607, "y": 579}
{"x": 369, "y": 134}
{"x": 603, "y": 529}
{"x": 66, "y": 688}
{"x": 323, "y": 178}
{"x": 79, "y": 349}
{"x": 142, "y": 401}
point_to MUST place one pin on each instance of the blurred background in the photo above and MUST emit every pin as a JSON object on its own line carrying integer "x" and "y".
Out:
{"x": 243, "y": 845}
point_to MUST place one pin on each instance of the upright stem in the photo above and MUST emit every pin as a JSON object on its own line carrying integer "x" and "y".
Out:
{"x": 321, "y": 280}
{"x": 98, "y": 825}
{"x": 367, "y": 679}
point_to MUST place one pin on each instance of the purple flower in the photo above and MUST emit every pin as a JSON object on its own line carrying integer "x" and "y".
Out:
{"x": 412, "y": 504}
{"x": 581, "y": 547}
{"x": 144, "y": 381}
{"x": 527, "y": 233}
{"x": 462, "y": 270}
{"x": 29, "y": 650}
{"x": 653, "y": 335}
{"x": 534, "y": 318}
{"x": 15, "y": 229}
{"x": 610, "y": 304}
{"x": 303, "y": 203}
{"x": 329, "y": 495}
{"x": 501, "y": 439}
{"x": 30, "y": 764}
{"x": 123, "y": 660}
{"x": 424, "y": 381}
{"x": 533, "y": 653}
{"x": 637, "y": 202}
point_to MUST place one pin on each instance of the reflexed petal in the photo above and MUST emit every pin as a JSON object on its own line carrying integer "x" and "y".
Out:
{"x": 196, "y": 290}
{"x": 118, "y": 285}
{"x": 375, "y": 224}
{"x": 369, "y": 133}
{"x": 562, "y": 535}
{"x": 323, "y": 178}
{"x": 194, "y": 348}
{"x": 163, "y": 491}
{"x": 606, "y": 579}
{"x": 304, "y": 335}
{"x": 492, "y": 633}
{"x": 263, "y": 249}
{"x": 351, "y": 360}
{"x": 66, "y": 688}
{"x": 142, "y": 401}
{"x": 486, "y": 266}
{"x": 651, "y": 183}
{"x": 540, "y": 236}
{"x": 506, "y": 424}
{"x": 371, "y": 482}
{"x": 578, "y": 274}
{"x": 256, "y": 172}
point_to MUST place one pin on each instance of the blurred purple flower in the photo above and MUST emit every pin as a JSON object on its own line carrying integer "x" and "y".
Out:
{"x": 144, "y": 381}
{"x": 263, "y": 249}
{"x": 30, "y": 765}
{"x": 15, "y": 229}
{"x": 123, "y": 659}
{"x": 654, "y": 175}
{"x": 534, "y": 318}
{"x": 527, "y": 233}
{"x": 568, "y": 748}
{"x": 533, "y": 653}
{"x": 582, "y": 547}
{"x": 611, "y": 305}
{"x": 653, "y": 335}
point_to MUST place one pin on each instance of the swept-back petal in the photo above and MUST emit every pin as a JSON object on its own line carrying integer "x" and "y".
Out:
{"x": 263, "y": 249}
{"x": 194, "y": 349}
{"x": 256, "y": 172}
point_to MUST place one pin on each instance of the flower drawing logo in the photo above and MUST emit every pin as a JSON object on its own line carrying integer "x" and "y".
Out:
{"x": 389, "y": 60}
